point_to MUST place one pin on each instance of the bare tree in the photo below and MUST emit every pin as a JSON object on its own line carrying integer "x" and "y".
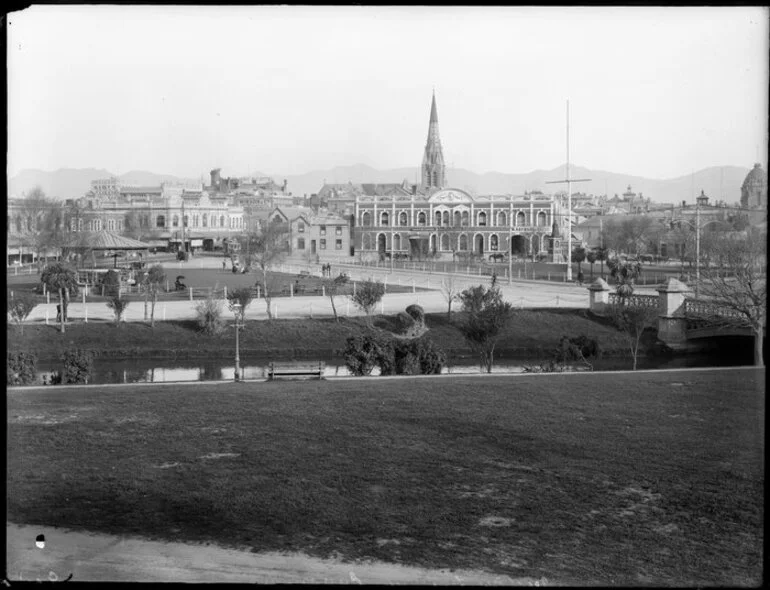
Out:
{"x": 736, "y": 286}
{"x": 332, "y": 288}
{"x": 633, "y": 321}
{"x": 451, "y": 290}
{"x": 367, "y": 295}
{"x": 267, "y": 249}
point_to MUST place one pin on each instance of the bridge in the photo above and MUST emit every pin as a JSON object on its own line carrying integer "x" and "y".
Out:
{"x": 682, "y": 320}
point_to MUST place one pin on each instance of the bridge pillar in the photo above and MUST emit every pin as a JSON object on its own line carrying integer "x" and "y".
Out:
{"x": 598, "y": 296}
{"x": 672, "y": 322}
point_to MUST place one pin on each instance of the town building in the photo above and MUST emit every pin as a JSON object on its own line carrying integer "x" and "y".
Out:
{"x": 754, "y": 189}
{"x": 435, "y": 220}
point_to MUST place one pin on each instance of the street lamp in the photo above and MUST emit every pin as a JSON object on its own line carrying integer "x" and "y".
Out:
{"x": 697, "y": 226}
{"x": 236, "y": 307}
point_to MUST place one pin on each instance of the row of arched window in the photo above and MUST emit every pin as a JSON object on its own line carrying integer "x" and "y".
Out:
{"x": 458, "y": 219}
{"x": 445, "y": 244}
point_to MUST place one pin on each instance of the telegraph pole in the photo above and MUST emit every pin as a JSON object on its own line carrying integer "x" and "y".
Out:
{"x": 569, "y": 182}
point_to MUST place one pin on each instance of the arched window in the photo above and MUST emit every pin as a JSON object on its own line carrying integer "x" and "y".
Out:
{"x": 445, "y": 242}
{"x": 97, "y": 225}
{"x": 493, "y": 242}
{"x": 457, "y": 219}
{"x": 397, "y": 242}
{"x": 521, "y": 219}
{"x": 366, "y": 219}
{"x": 465, "y": 218}
{"x": 403, "y": 219}
{"x": 186, "y": 220}
{"x": 18, "y": 224}
{"x": 463, "y": 242}
{"x": 445, "y": 218}
{"x": 541, "y": 218}
{"x": 501, "y": 218}
{"x": 300, "y": 243}
{"x": 196, "y": 220}
{"x": 221, "y": 221}
{"x": 421, "y": 218}
{"x": 110, "y": 224}
{"x": 481, "y": 218}
{"x": 29, "y": 224}
{"x": 384, "y": 218}
{"x": 432, "y": 242}
{"x": 160, "y": 221}
{"x": 80, "y": 225}
{"x": 175, "y": 221}
{"x": 205, "y": 220}
{"x": 437, "y": 215}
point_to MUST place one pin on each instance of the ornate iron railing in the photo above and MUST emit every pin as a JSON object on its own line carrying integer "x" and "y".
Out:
{"x": 634, "y": 300}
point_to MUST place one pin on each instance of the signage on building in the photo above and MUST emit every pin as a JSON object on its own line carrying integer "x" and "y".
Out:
{"x": 195, "y": 243}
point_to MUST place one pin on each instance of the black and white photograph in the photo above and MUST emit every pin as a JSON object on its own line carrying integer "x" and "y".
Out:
{"x": 410, "y": 295}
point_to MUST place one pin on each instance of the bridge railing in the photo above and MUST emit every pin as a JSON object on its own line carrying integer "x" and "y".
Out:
{"x": 705, "y": 313}
{"x": 634, "y": 300}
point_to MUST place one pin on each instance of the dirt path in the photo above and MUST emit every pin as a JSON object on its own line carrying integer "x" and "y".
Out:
{"x": 98, "y": 557}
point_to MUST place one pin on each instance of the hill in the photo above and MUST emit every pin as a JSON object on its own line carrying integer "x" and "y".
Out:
{"x": 719, "y": 182}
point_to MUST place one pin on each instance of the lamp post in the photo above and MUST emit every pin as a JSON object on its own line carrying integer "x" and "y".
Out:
{"x": 698, "y": 227}
{"x": 236, "y": 307}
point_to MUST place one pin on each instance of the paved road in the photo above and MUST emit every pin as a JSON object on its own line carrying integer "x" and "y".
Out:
{"x": 523, "y": 295}
{"x": 97, "y": 557}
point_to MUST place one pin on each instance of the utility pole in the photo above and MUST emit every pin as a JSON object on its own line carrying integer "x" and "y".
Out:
{"x": 569, "y": 182}
{"x": 697, "y": 247}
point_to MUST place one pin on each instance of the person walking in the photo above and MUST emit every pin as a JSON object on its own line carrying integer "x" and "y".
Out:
{"x": 224, "y": 265}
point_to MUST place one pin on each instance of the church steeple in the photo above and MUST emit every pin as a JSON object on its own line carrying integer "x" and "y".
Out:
{"x": 433, "y": 170}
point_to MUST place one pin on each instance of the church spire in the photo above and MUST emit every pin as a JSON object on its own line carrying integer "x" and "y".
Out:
{"x": 433, "y": 169}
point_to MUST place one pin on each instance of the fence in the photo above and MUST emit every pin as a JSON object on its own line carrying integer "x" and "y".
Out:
{"x": 634, "y": 300}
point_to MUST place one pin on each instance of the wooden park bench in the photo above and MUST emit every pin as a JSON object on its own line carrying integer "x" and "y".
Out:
{"x": 296, "y": 369}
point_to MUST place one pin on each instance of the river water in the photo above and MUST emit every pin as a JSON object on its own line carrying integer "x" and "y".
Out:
{"x": 169, "y": 370}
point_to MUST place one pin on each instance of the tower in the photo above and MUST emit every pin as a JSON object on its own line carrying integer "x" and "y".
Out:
{"x": 433, "y": 170}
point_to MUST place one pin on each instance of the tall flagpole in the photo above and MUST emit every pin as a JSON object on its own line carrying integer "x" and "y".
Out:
{"x": 569, "y": 182}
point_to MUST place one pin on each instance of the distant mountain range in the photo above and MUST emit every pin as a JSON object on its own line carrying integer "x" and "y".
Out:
{"x": 719, "y": 182}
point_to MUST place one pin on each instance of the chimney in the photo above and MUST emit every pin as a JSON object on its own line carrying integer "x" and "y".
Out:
{"x": 284, "y": 185}
{"x": 414, "y": 189}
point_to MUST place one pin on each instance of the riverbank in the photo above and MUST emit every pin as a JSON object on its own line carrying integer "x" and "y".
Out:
{"x": 531, "y": 333}
{"x": 585, "y": 479}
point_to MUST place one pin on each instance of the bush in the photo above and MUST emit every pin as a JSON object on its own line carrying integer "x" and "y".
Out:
{"x": 209, "y": 316}
{"x": 404, "y": 322}
{"x": 363, "y": 353}
{"x": 111, "y": 283}
{"x": 416, "y": 312}
{"x": 432, "y": 358}
{"x": 118, "y": 306}
{"x": 577, "y": 349}
{"x": 21, "y": 368}
{"x": 78, "y": 365}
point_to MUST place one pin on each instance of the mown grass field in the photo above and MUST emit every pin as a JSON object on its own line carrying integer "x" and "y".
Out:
{"x": 530, "y": 332}
{"x": 650, "y": 478}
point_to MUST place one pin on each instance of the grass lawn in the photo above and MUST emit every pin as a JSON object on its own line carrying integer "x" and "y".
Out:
{"x": 530, "y": 331}
{"x": 651, "y": 478}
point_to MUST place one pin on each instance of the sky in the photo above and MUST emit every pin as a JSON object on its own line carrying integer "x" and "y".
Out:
{"x": 656, "y": 92}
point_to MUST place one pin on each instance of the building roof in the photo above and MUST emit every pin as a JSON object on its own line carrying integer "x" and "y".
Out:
{"x": 433, "y": 113}
{"x": 755, "y": 177}
{"x": 140, "y": 189}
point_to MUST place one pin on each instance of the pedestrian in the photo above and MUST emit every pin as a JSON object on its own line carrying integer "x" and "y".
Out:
{"x": 58, "y": 312}
{"x": 329, "y": 270}
{"x": 224, "y": 265}
{"x": 580, "y": 278}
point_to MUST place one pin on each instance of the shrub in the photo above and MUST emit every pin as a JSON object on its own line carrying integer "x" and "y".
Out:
{"x": 416, "y": 312}
{"x": 363, "y": 353}
{"x": 578, "y": 348}
{"x": 404, "y": 322}
{"x": 118, "y": 306}
{"x": 209, "y": 316}
{"x": 21, "y": 368}
{"x": 111, "y": 283}
{"x": 367, "y": 295}
{"x": 432, "y": 358}
{"x": 78, "y": 365}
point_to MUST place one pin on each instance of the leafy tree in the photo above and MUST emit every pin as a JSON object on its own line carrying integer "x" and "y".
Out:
{"x": 333, "y": 287}
{"x": 20, "y": 306}
{"x": 265, "y": 250}
{"x": 591, "y": 258}
{"x": 633, "y": 321}
{"x": 111, "y": 283}
{"x": 579, "y": 255}
{"x": 602, "y": 254}
{"x": 487, "y": 316}
{"x": 118, "y": 307}
{"x": 450, "y": 289}
{"x": 238, "y": 300}
{"x": 737, "y": 283}
{"x": 364, "y": 352}
{"x": 625, "y": 273}
{"x": 61, "y": 278}
{"x": 43, "y": 222}
{"x": 78, "y": 366}
{"x": 21, "y": 368}
{"x": 367, "y": 295}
